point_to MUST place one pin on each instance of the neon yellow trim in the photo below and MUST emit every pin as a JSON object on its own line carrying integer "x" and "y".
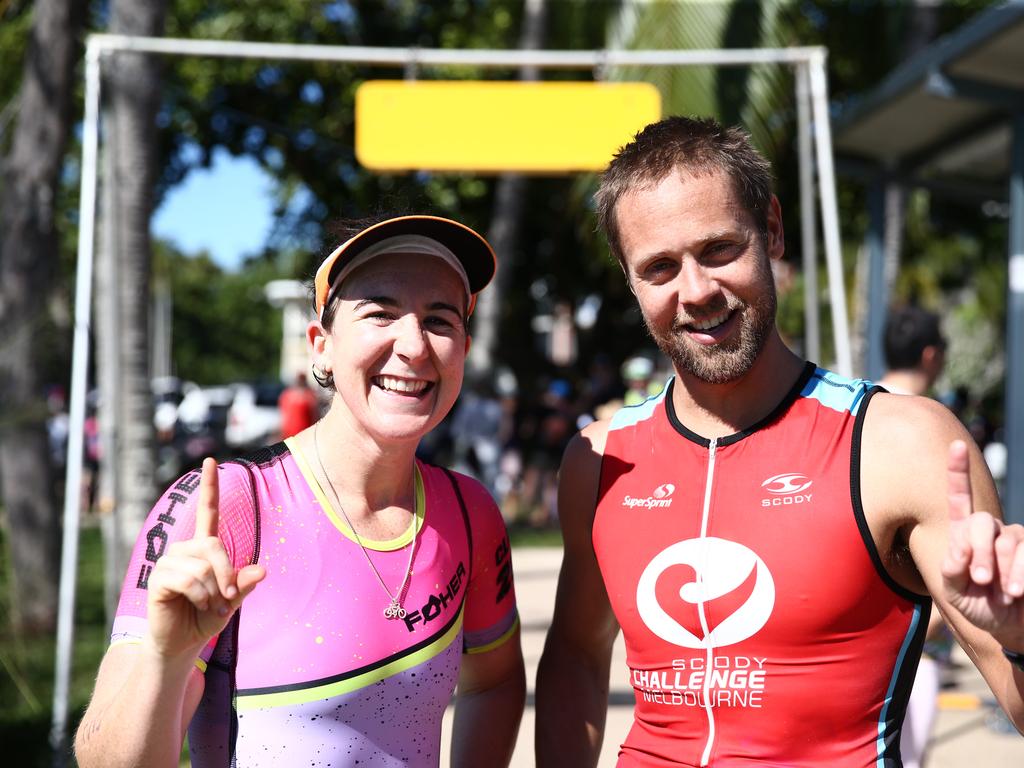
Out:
{"x": 495, "y": 643}
{"x": 383, "y": 546}
{"x": 200, "y": 664}
{"x": 319, "y": 692}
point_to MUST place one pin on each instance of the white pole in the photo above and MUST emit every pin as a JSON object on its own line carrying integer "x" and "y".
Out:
{"x": 441, "y": 56}
{"x": 830, "y": 213}
{"x": 76, "y": 417}
{"x": 808, "y": 218}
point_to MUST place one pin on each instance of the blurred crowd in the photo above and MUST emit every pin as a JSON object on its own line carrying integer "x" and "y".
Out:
{"x": 511, "y": 437}
{"x": 507, "y": 435}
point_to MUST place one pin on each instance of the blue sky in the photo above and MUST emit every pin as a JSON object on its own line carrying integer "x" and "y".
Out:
{"x": 225, "y": 209}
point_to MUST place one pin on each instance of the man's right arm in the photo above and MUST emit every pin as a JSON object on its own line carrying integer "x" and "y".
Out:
{"x": 572, "y": 680}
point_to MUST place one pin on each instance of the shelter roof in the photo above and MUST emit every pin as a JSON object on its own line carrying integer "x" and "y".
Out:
{"x": 942, "y": 119}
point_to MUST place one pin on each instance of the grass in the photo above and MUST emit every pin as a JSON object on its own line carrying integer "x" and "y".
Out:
{"x": 27, "y": 663}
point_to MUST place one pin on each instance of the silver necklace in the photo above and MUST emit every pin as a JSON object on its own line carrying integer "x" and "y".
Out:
{"x": 394, "y": 609}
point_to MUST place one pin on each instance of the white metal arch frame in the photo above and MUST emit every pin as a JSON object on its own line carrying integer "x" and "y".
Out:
{"x": 809, "y": 63}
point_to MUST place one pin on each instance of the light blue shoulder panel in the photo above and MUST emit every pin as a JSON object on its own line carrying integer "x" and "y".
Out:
{"x": 835, "y": 391}
{"x": 634, "y": 414}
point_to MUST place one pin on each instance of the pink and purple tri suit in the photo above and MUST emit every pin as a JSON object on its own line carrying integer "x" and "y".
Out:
{"x": 309, "y": 671}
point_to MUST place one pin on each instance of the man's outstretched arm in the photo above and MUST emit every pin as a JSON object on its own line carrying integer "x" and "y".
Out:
{"x": 924, "y": 465}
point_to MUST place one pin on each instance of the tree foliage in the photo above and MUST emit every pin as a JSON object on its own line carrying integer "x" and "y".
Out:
{"x": 221, "y": 310}
{"x": 296, "y": 120}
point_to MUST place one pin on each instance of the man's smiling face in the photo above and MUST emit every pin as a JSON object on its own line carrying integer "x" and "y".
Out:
{"x": 701, "y": 272}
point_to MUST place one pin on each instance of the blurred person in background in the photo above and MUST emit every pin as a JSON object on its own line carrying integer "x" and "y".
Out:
{"x": 638, "y": 373}
{"x": 550, "y": 424}
{"x": 603, "y": 384}
{"x": 915, "y": 353}
{"x": 476, "y": 431}
{"x": 57, "y": 426}
{"x": 373, "y": 583}
{"x": 299, "y": 406}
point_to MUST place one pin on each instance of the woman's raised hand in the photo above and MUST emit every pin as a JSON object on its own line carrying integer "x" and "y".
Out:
{"x": 194, "y": 589}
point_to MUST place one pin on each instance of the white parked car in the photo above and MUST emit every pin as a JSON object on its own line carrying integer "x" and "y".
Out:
{"x": 168, "y": 392}
{"x": 205, "y": 408}
{"x": 253, "y": 417}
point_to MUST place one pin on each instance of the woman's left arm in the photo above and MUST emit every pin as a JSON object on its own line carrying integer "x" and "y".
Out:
{"x": 489, "y": 705}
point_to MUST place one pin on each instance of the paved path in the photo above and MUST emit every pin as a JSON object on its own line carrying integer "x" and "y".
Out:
{"x": 969, "y": 732}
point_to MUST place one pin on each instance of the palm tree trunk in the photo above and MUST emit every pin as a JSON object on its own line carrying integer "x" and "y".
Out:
{"x": 28, "y": 261}
{"x": 134, "y": 86}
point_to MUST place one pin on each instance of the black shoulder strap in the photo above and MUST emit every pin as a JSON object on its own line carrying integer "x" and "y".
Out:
{"x": 465, "y": 514}
{"x": 469, "y": 535}
{"x": 256, "y": 532}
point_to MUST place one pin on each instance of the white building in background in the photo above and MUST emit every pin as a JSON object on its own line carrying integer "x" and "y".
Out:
{"x": 292, "y": 297}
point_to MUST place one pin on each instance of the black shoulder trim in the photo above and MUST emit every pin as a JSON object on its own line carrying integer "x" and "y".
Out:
{"x": 259, "y": 459}
{"x": 858, "y": 505}
{"x": 265, "y": 456}
{"x": 469, "y": 535}
{"x": 677, "y": 425}
{"x": 257, "y": 518}
{"x": 465, "y": 514}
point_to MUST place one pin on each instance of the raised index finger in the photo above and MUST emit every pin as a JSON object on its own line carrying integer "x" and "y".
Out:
{"x": 959, "y": 480}
{"x": 208, "y": 512}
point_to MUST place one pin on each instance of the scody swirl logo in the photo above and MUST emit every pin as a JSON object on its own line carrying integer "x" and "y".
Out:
{"x": 721, "y": 567}
{"x": 788, "y": 482}
{"x": 787, "y": 488}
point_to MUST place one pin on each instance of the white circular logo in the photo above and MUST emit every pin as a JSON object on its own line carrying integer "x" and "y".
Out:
{"x": 721, "y": 567}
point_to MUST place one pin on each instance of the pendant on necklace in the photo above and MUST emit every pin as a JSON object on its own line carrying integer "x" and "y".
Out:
{"x": 394, "y": 610}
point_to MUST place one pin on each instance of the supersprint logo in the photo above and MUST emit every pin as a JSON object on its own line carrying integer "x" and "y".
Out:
{"x": 660, "y": 497}
{"x": 717, "y": 570}
{"x": 787, "y": 488}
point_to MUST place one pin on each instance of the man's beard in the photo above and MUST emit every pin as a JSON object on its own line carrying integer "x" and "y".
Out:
{"x": 732, "y": 358}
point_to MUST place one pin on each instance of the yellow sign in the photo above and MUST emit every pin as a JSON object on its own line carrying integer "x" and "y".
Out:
{"x": 498, "y": 126}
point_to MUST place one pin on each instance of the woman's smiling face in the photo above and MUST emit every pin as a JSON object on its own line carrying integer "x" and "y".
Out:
{"x": 397, "y": 344}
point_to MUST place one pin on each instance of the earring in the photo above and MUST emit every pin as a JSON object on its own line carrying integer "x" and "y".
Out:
{"x": 323, "y": 377}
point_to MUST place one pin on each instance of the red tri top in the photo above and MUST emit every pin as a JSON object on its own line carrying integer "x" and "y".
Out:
{"x": 760, "y": 625}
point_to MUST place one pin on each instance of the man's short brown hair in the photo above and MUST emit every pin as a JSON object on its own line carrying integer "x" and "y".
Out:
{"x": 698, "y": 146}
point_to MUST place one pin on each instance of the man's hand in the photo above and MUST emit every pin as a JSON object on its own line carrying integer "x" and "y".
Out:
{"x": 194, "y": 590}
{"x": 983, "y": 571}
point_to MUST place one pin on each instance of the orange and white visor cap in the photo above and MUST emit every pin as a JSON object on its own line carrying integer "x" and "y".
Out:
{"x": 462, "y": 249}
